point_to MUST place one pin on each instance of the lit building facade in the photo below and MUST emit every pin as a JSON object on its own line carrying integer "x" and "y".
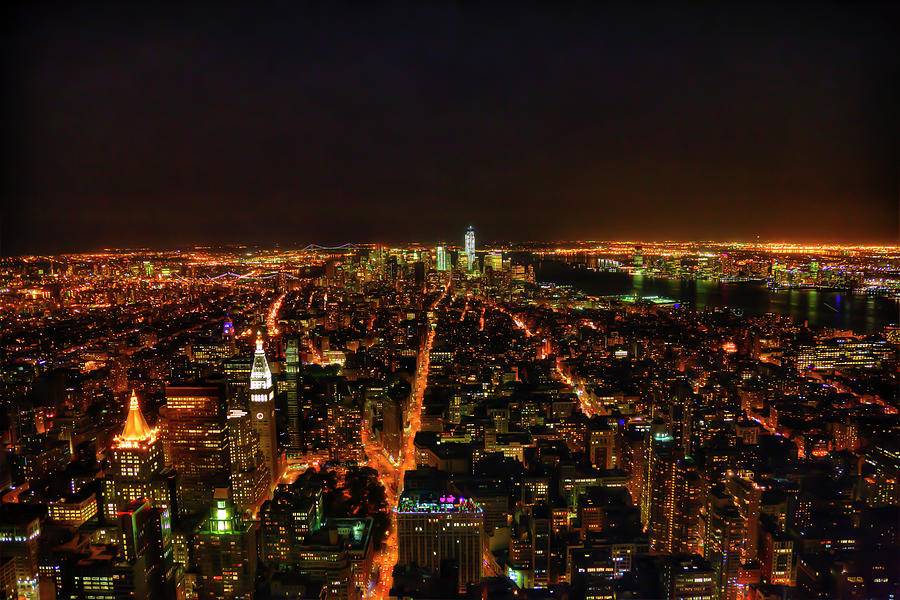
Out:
{"x": 688, "y": 577}
{"x": 842, "y": 353}
{"x": 250, "y": 477}
{"x": 344, "y": 424}
{"x": 433, "y": 528}
{"x": 470, "y": 248}
{"x": 226, "y": 553}
{"x": 73, "y": 512}
{"x": 293, "y": 512}
{"x": 136, "y": 468}
{"x": 193, "y": 429}
{"x": 291, "y": 385}
{"x": 662, "y": 497}
{"x": 442, "y": 260}
{"x": 724, "y": 543}
{"x": 262, "y": 409}
{"x": 19, "y": 535}
{"x": 146, "y": 556}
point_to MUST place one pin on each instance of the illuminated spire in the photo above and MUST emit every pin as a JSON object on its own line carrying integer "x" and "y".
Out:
{"x": 136, "y": 428}
{"x": 260, "y": 375}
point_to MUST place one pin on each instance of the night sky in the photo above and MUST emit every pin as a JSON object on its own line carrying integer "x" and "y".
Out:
{"x": 170, "y": 126}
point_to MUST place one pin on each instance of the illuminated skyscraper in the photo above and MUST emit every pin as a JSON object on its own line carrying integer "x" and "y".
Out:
{"x": 670, "y": 499}
{"x": 661, "y": 494}
{"x": 724, "y": 542}
{"x": 292, "y": 395}
{"x": 147, "y": 567}
{"x": 494, "y": 260}
{"x": 688, "y": 576}
{"x": 776, "y": 557}
{"x": 262, "y": 408}
{"x": 294, "y": 511}
{"x": 344, "y": 423}
{"x": 226, "y": 553}
{"x": 228, "y": 335}
{"x": 470, "y": 248}
{"x": 443, "y": 264}
{"x": 432, "y": 529}
{"x": 19, "y": 537}
{"x": 249, "y": 475}
{"x": 194, "y": 434}
{"x": 135, "y": 469}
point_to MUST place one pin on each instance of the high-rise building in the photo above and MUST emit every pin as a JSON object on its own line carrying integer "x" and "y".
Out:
{"x": 194, "y": 433}
{"x": 344, "y": 423}
{"x": 441, "y": 259}
{"x": 226, "y": 553}
{"x": 541, "y": 537}
{"x": 433, "y": 529}
{"x": 249, "y": 475}
{"x": 688, "y": 576}
{"x": 724, "y": 543}
{"x": 776, "y": 558}
{"x": 661, "y": 496}
{"x": 841, "y": 353}
{"x": 747, "y": 497}
{"x": 470, "y": 248}
{"x": 146, "y": 551}
{"x": 601, "y": 447}
{"x": 262, "y": 409}
{"x": 292, "y": 395}
{"x": 881, "y": 473}
{"x": 294, "y": 510}
{"x": 136, "y": 468}
{"x": 20, "y": 530}
{"x": 494, "y": 260}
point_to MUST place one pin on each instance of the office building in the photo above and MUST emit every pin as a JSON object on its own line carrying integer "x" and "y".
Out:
{"x": 136, "y": 467}
{"x": 146, "y": 557}
{"x": 194, "y": 433}
{"x": 844, "y": 353}
{"x": 262, "y": 409}
{"x": 434, "y": 528}
{"x": 226, "y": 553}
{"x": 688, "y": 577}
{"x": 291, "y": 385}
{"x": 442, "y": 260}
{"x": 470, "y": 248}
{"x": 250, "y": 477}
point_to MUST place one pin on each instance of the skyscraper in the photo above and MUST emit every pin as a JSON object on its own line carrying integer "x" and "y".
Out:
{"x": 292, "y": 395}
{"x": 136, "y": 469}
{"x": 147, "y": 563}
{"x": 433, "y": 529}
{"x": 250, "y": 477}
{"x": 664, "y": 493}
{"x": 194, "y": 434}
{"x": 688, "y": 576}
{"x": 262, "y": 407}
{"x": 724, "y": 542}
{"x": 226, "y": 553}
{"x": 344, "y": 423}
{"x": 470, "y": 248}
{"x": 443, "y": 264}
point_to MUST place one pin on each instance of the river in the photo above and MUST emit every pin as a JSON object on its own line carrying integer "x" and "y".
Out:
{"x": 840, "y": 310}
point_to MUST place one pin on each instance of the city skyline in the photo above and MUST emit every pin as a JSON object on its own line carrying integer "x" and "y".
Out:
{"x": 482, "y": 245}
{"x": 615, "y": 421}
{"x": 349, "y": 301}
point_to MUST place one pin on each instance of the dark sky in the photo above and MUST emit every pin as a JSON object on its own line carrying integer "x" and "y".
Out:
{"x": 168, "y": 126}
